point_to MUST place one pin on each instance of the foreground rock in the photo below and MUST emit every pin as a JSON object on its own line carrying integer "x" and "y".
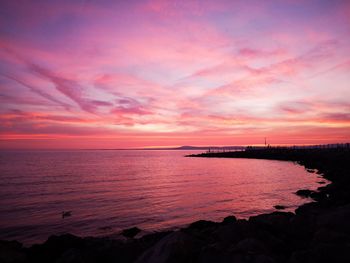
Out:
{"x": 305, "y": 192}
{"x": 317, "y": 232}
{"x": 280, "y": 207}
{"x": 131, "y": 232}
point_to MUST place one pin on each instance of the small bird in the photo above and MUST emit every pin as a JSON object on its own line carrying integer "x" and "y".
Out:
{"x": 66, "y": 214}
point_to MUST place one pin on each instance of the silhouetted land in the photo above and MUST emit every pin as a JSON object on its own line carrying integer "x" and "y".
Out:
{"x": 317, "y": 232}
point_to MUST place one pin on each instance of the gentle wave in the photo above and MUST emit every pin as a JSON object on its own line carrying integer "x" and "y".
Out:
{"x": 108, "y": 191}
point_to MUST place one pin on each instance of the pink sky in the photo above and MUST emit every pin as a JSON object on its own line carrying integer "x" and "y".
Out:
{"x": 109, "y": 74}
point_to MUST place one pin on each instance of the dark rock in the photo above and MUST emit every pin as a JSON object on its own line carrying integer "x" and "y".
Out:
{"x": 304, "y": 192}
{"x": 201, "y": 224}
{"x": 54, "y": 247}
{"x": 251, "y": 246}
{"x": 325, "y": 235}
{"x": 232, "y": 233}
{"x": 175, "y": 247}
{"x": 73, "y": 255}
{"x": 280, "y": 207}
{"x": 301, "y": 228}
{"x": 276, "y": 221}
{"x": 299, "y": 256}
{"x": 11, "y": 252}
{"x": 250, "y": 250}
{"x": 320, "y": 196}
{"x": 322, "y": 253}
{"x": 214, "y": 253}
{"x": 131, "y": 232}
{"x": 274, "y": 243}
{"x": 211, "y": 254}
{"x": 321, "y": 182}
{"x": 336, "y": 219}
{"x": 154, "y": 237}
{"x": 229, "y": 220}
{"x": 312, "y": 208}
{"x": 263, "y": 259}
{"x": 202, "y": 230}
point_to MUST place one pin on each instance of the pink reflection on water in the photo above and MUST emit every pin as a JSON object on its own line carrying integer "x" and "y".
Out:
{"x": 111, "y": 190}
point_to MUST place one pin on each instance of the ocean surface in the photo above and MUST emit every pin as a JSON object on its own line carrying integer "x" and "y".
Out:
{"x": 111, "y": 190}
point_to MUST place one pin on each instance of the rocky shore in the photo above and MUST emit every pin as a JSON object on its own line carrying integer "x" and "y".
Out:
{"x": 317, "y": 232}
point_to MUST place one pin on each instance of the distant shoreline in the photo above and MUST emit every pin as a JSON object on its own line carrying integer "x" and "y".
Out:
{"x": 208, "y": 148}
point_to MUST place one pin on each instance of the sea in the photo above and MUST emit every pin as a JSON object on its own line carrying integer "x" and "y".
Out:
{"x": 107, "y": 191}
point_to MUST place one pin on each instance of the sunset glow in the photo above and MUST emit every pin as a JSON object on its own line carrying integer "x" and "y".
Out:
{"x": 125, "y": 74}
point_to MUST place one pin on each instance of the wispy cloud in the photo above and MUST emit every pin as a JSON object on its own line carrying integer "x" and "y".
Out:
{"x": 173, "y": 72}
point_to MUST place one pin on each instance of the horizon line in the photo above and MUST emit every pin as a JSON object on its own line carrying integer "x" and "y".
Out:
{"x": 181, "y": 147}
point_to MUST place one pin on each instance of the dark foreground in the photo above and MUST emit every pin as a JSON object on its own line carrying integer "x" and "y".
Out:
{"x": 317, "y": 232}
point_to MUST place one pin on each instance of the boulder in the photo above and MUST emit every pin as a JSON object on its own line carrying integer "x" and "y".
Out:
{"x": 233, "y": 233}
{"x": 304, "y": 193}
{"x": 276, "y": 221}
{"x": 325, "y": 235}
{"x": 213, "y": 253}
{"x": 131, "y": 232}
{"x": 322, "y": 253}
{"x": 336, "y": 219}
{"x": 251, "y": 246}
{"x": 175, "y": 247}
{"x": 54, "y": 247}
{"x": 229, "y": 220}
{"x": 201, "y": 224}
{"x": 11, "y": 252}
{"x": 279, "y": 207}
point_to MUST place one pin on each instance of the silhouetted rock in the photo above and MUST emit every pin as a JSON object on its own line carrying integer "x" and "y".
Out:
{"x": 201, "y": 224}
{"x": 229, "y": 220}
{"x": 337, "y": 219}
{"x": 322, "y": 253}
{"x": 276, "y": 221}
{"x": 310, "y": 170}
{"x": 279, "y": 207}
{"x": 304, "y": 192}
{"x": 228, "y": 234}
{"x": 175, "y": 247}
{"x": 131, "y": 232}
{"x": 251, "y": 246}
{"x": 154, "y": 237}
{"x": 214, "y": 253}
{"x": 11, "y": 252}
{"x": 325, "y": 235}
{"x": 54, "y": 247}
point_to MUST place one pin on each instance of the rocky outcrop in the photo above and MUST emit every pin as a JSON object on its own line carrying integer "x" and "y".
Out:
{"x": 131, "y": 232}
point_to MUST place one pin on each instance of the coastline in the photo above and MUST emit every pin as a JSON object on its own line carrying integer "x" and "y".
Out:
{"x": 317, "y": 232}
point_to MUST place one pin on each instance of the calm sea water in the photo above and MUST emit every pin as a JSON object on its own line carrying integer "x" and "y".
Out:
{"x": 108, "y": 191}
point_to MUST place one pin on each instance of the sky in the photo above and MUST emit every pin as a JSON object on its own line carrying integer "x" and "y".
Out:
{"x": 126, "y": 74}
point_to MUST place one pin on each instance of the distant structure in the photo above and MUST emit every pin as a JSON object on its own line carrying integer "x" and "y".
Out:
{"x": 339, "y": 146}
{"x": 265, "y": 141}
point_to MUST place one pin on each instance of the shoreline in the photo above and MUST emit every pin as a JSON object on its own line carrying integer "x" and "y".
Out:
{"x": 317, "y": 232}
